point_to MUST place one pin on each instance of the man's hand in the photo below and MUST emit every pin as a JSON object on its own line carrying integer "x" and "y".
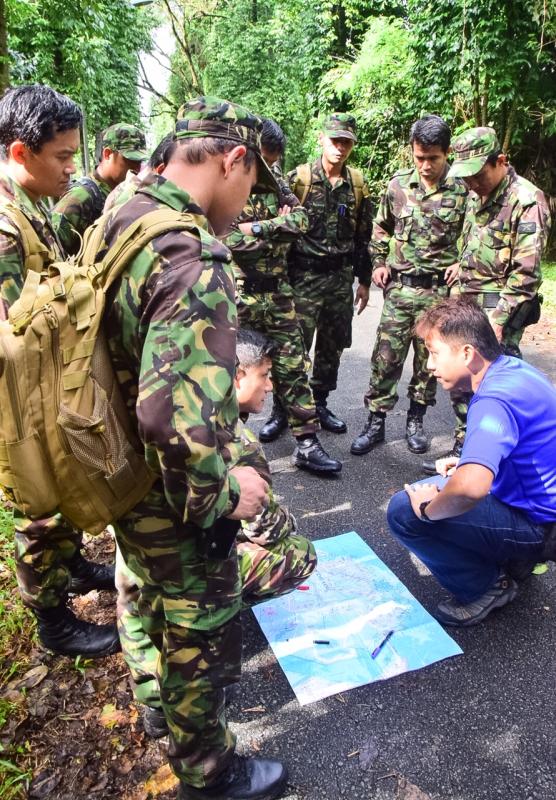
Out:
{"x": 284, "y": 211}
{"x": 361, "y": 298}
{"x": 245, "y": 228}
{"x": 446, "y": 466}
{"x": 381, "y": 277}
{"x": 418, "y": 493}
{"x": 451, "y": 274}
{"x": 253, "y": 495}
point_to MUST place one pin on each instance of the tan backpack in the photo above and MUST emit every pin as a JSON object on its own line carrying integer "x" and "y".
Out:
{"x": 66, "y": 439}
{"x": 304, "y": 180}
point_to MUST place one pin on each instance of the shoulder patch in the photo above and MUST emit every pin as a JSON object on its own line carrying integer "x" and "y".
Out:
{"x": 527, "y": 227}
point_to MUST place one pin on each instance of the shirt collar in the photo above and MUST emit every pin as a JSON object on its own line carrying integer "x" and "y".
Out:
{"x": 171, "y": 195}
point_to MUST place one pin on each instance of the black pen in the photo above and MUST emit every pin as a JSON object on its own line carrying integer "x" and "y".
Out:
{"x": 377, "y": 649}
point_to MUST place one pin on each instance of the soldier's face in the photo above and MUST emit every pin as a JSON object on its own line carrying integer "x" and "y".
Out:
{"x": 271, "y": 156}
{"x": 449, "y": 363}
{"x": 336, "y": 150}
{"x": 252, "y": 386}
{"x": 488, "y": 178}
{"x": 120, "y": 166}
{"x": 48, "y": 172}
{"x": 430, "y": 162}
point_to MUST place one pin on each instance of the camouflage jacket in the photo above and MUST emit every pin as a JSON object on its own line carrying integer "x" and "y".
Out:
{"x": 417, "y": 229}
{"x": 275, "y": 521}
{"x": 336, "y": 230}
{"x": 267, "y": 253}
{"x": 81, "y": 205}
{"x": 12, "y": 261}
{"x": 171, "y": 333}
{"x": 503, "y": 242}
{"x": 125, "y": 190}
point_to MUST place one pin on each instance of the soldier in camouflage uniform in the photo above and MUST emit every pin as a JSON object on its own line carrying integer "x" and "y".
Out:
{"x": 413, "y": 250}
{"x": 504, "y": 233}
{"x": 171, "y": 334}
{"x": 273, "y": 557}
{"x": 324, "y": 260}
{"x": 39, "y": 136}
{"x": 123, "y": 149}
{"x": 259, "y": 241}
{"x": 156, "y": 163}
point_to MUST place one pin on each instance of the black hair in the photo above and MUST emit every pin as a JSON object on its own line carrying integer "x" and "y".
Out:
{"x": 34, "y": 114}
{"x": 195, "y": 151}
{"x": 493, "y": 157}
{"x": 162, "y": 152}
{"x": 430, "y": 131}
{"x": 252, "y": 348}
{"x": 273, "y": 137}
{"x": 460, "y": 319}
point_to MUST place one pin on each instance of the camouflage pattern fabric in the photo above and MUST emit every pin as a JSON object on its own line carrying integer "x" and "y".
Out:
{"x": 502, "y": 244}
{"x": 415, "y": 232}
{"x": 324, "y": 299}
{"x": 273, "y": 560}
{"x": 417, "y": 229}
{"x": 335, "y": 230}
{"x": 402, "y": 307}
{"x": 324, "y": 305}
{"x": 273, "y": 312}
{"x": 125, "y": 190}
{"x": 126, "y": 139}
{"x": 340, "y": 126}
{"x": 78, "y": 208}
{"x": 42, "y": 547}
{"x": 471, "y": 150}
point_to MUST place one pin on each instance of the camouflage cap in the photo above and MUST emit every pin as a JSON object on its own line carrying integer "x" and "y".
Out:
{"x": 211, "y": 116}
{"x": 471, "y": 150}
{"x": 338, "y": 126}
{"x": 127, "y": 140}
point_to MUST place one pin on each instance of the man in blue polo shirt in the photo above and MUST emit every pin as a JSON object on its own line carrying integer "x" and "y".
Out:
{"x": 497, "y": 510}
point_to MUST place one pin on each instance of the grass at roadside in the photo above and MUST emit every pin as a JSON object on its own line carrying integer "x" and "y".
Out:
{"x": 16, "y": 631}
{"x": 548, "y": 288}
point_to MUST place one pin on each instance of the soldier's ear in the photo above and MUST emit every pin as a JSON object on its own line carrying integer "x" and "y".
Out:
{"x": 18, "y": 152}
{"x": 233, "y": 158}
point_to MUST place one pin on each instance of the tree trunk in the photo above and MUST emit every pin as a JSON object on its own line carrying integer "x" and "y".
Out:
{"x": 484, "y": 101}
{"x": 510, "y": 126}
{"x": 4, "y": 57}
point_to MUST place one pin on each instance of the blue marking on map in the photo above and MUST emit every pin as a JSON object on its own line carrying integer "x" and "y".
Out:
{"x": 353, "y": 601}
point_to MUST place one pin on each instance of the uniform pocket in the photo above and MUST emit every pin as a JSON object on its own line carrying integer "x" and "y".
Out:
{"x": 26, "y": 472}
{"x": 404, "y": 221}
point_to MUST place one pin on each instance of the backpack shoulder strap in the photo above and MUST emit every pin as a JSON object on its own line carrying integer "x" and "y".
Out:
{"x": 303, "y": 181}
{"x": 36, "y": 254}
{"x": 358, "y": 185}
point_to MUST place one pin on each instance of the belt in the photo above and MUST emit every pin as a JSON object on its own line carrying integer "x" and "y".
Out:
{"x": 425, "y": 280}
{"x": 324, "y": 264}
{"x": 261, "y": 283}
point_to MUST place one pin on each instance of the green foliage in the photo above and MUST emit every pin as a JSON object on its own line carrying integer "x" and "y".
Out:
{"x": 548, "y": 289}
{"x": 87, "y": 49}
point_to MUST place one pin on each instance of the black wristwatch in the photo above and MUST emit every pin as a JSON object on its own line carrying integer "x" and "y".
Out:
{"x": 423, "y": 510}
{"x": 256, "y": 228}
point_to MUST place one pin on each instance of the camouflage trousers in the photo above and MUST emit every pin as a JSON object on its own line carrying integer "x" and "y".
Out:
{"x": 183, "y": 648}
{"x": 324, "y": 304}
{"x": 402, "y": 307}
{"x": 43, "y": 550}
{"x": 274, "y": 314}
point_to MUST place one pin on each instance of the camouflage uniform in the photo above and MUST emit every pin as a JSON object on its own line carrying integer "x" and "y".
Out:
{"x": 415, "y": 235}
{"x": 171, "y": 334}
{"x": 125, "y": 190}
{"x": 43, "y": 548}
{"x": 266, "y": 298}
{"x": 322, "y": 264}
{"x": 273, "y": 560}
{"x": 84, "y": 201}
{"x": 502, "y": 245}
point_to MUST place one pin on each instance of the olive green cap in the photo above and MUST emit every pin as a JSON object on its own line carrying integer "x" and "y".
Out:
{"x": 127, "y": 140}
{"x": 211, "y": 116}
{"x": 471, "y": 150}
{"x": 340, "y": 126}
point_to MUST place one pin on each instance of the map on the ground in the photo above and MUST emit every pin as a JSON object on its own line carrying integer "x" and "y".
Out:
{"x": 325, "y": 632}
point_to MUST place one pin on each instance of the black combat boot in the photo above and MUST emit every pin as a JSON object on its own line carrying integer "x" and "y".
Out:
{"x": 154, "y": 722}
{"x": 244, "y": 779}
{"x": 417, "y": 442}
{"x": 310, "y": 455}
{"x": 429, "y": 467}
{"x": 372, "y": 433}
{"x": 87, "y": 575}
{"x": 275, "y": 424}
{"x": 61, "y": 631}
{"x": 328, "y": 420}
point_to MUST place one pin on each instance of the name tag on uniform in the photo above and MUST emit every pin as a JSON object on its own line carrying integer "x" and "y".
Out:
{"x": 448, "y": 202}
{"x": 527, "y": 227}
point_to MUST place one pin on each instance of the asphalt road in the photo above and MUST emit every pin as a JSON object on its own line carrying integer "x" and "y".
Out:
{"x": 475, "y": 727}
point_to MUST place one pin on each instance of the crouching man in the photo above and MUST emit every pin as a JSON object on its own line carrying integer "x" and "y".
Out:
{"x": 495, "y": 515}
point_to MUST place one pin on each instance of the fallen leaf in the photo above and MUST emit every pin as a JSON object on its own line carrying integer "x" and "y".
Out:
{"x": 30, "y": 679}
{"x": 408, "y": 791}
{"x": 162, "y": 781}
{"x": 44, "y": 784}
{"x": 368, "y": 753}
{"x": 110, "y": 717}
